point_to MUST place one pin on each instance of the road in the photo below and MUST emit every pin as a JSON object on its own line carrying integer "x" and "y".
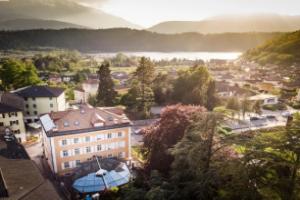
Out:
{"x": 279, "y": 120}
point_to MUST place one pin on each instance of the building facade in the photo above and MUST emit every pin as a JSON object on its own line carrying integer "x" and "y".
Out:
{"x": 41, "y": 100}
{"x": 90, "y": 86}
{"x": 80, "y": 96}
{"x": 11, "y": 115}
{"x": 74, "y": 136}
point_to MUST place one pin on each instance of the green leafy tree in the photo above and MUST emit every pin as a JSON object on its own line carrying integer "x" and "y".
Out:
{"x": 245, "y": 105}
{"x": 273, "y": 161}
{"x": 257, "y": 107}
{"x": 206, "y": 167}
{"x": 233, "y": 104}
{"x": 212, "y": 99}
{"x": 16, "y": 74}
{"x": 162, "y": 89}
{"x": 140, "y": 96}
{"x": 195, "y": 86}
{"x": 106, "y": 95}
{"x": 145, "y": 74}
{"x": 130, "y": 99}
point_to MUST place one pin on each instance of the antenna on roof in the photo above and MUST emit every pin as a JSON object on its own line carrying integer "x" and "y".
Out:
{"x": 101, "y": 172}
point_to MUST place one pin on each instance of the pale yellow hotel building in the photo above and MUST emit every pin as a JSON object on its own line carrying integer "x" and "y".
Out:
{"x": 74, "y": 136}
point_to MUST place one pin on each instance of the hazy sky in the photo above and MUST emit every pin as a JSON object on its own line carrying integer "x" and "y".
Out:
{"x": 149, "y": 12}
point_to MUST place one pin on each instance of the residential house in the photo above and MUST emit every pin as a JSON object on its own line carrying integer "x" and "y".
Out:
{"x": 80, "y": 96}
{"x": 68, "y": 77}
{"x": 90, "y": 86}
{"x": 227, "y": 89}
{"x": 40, "y": 100}
{"x": 55, "y": 78}
{"x": 75, "y": 136}
{"x": 11, "y": 114}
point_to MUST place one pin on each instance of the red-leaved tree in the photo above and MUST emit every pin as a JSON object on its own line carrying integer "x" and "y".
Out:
{"x": 166, "y": 133}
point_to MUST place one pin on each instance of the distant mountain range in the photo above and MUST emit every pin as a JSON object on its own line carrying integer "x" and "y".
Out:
{"x": 55, "y": 11}
{"x": 58, "y": 14}
{"x": 123, "y": 39}
{"x": 232, "y": 23}
{"x": 25, "y": 24}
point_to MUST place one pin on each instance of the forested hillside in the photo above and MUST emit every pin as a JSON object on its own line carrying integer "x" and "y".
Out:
{"x": 282, "y": 50}
{"x": 122, "y": 39}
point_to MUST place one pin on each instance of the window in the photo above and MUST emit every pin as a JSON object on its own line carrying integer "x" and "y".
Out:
{"x": 109, "y": 135}
{"x": 87, "y": 138}
{"x": 99, "y": 137}
{"x": 9, "y": 114}
{"x": 51, "y": 105}
{"x": 34, "y": 105}
{"x": 25, "y": 98}
{"x": 110, "y": 146}
{"x": 76, "y": 140}
{"x": 1, "y": 124}
{"x": 77, "y": 151}
{"x": 28, "y": 113}
{"x": 26, "y": 106}
{"x": 35, "y": 112}
{"x": 64, "y": 142}
{"x": 3, "y": 115}
{"x": 77, "y": 162}
{"x": 66, "y": 165}
{"x": 65, "y": 153}
{"x": 17, "y": 122}
{"x": 50, "y": 98}
{"x": 11, "y": 123}
{"x": 99, "y": 147}
{"x": 88, "y": 149}
{"x": 121, "y": 144}
{"x": 33, "y": 98}
{"x": 120, "y": 134}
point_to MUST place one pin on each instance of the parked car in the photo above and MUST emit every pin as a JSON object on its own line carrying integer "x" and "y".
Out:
{"x": 138, "y": 131}
{"x": 271, "y": 117}
{"x": 286, "y": 114}
{"x": 254, "y": 118}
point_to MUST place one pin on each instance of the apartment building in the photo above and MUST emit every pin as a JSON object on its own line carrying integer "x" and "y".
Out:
{"x": 74, "y": 136}
{"x": 11, "y": 114}
{"x": 40, "y": 100}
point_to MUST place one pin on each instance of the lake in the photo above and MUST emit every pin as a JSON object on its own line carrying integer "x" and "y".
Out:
{"x": 179, "y": 55}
